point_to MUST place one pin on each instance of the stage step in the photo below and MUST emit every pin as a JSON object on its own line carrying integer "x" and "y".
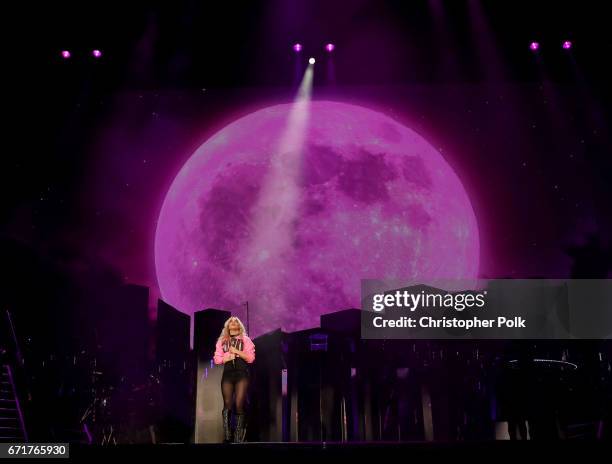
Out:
{"x": 11, "y": 423}
{"x": 4, "y": 420}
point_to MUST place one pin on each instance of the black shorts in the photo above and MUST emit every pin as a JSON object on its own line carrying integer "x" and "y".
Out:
{"x": 234, "y": 375}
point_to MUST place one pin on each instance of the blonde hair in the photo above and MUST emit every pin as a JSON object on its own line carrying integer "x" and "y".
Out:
{"x": 225, "y": 334}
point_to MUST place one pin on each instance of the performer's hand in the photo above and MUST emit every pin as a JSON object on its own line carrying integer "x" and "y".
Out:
{"x": 229, "y": 357}
{"x": 233, "y": 350}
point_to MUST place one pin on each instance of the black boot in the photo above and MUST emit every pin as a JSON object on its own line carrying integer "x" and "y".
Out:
{"x": 240, "y": 432}
{"x": 227, "y": 429}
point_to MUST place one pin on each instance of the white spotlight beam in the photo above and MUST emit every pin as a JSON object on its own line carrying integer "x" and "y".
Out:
{"x": 277, "y": 206}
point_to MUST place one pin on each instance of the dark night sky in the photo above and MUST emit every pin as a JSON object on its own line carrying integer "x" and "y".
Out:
{"x": 96, "y": 143}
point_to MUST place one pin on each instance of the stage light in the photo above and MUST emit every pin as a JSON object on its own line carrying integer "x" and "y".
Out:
{"x": 96, "y": 53}
{"x": 65, "y": 54}
{"x": 297, "y": 47}
{"x": 330, "y": 47}
{"x": 567, "y": 45}
{"x": 311, "y": 61}
{"x": 534, "y": 46}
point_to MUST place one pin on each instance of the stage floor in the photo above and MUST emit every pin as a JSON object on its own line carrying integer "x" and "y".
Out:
{"x": 322, "y": 452}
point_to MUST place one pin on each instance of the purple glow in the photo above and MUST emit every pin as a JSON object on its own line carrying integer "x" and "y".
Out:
{"x": 410, "y": 216}
{"x": 66, "y": 54}
{"x": 297, "y": 47}
{"x": 330, "y": 47}
{"x": 534, "y": 46}
{"x": 96, "y": 53}
{"x": 567, "y": 45}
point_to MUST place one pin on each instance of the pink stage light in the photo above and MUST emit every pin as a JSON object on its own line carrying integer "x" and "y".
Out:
{"x": 567, "y": 45}
{"x": 96, "y": 53}
{"x": 534, "y": 46}
{"x": 297, "y": 47}
{"x": 65, "y": 54}
{"x": 330, "y": 47}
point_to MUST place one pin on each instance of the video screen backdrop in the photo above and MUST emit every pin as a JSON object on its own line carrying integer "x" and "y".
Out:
{"x": 523, "y": 193}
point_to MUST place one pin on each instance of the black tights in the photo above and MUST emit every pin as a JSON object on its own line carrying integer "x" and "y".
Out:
{"x": 239, "y": 388}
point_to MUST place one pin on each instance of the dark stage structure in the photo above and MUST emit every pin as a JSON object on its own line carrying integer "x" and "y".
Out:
{"x": 327, "y": 384}
{"x": 324, "y": 384}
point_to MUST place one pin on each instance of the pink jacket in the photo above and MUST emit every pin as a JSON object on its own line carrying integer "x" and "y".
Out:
{"x": 248, "y": 347}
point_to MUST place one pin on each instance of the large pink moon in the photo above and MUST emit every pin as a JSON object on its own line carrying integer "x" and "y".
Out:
{"x": 368, "y": 198}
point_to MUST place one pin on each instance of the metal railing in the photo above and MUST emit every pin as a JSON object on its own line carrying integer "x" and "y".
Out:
{"x": 17, "y": 403}
{"x": 17, "y": 376}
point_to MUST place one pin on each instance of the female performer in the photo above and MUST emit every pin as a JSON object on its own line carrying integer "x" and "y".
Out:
{"x": 236, "y": 351}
